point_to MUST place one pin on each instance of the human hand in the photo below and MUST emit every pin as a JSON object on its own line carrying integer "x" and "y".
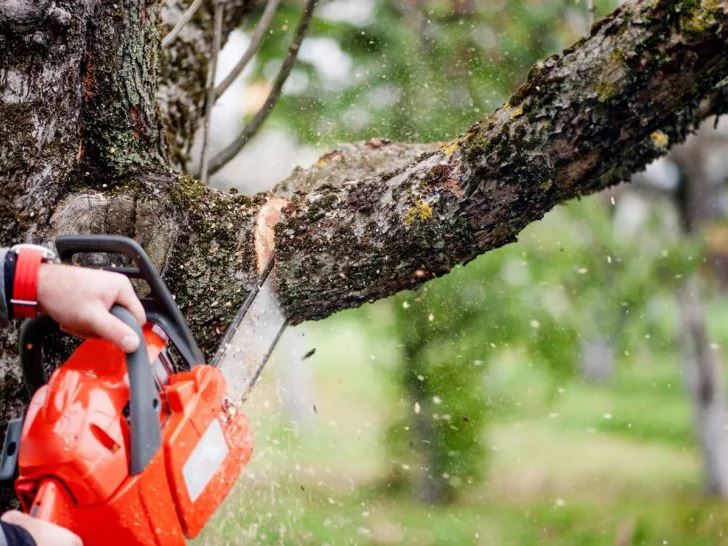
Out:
{"x": 79, "y": 299}
{"x": 43, "y": 532}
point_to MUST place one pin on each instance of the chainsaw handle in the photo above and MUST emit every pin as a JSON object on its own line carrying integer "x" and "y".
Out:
{"x": 32, "y": 333}
{"x": 144, "y": 403}
{"x": 160, "y": 306}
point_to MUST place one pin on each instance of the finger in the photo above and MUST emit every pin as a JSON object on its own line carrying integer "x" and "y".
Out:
{"x": 44, "y": 533}
{"x": 15, "y": 517}
{"x": 78, "y": 333}
{"x": 128, "y": 298}
{"x": 105, "y": 325}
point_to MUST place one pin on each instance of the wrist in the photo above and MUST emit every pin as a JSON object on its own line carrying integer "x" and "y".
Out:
{"x": 46, "y": 274}
{"x": 29, "y": 260}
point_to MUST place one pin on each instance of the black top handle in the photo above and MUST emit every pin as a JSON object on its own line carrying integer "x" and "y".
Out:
{"x": 144, "y": 403}
{"x": 160, "y": 305}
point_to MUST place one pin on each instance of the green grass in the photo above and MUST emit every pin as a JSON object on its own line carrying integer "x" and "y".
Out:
{"x": 570, "y": 463}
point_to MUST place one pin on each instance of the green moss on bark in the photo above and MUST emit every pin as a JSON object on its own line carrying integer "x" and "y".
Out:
{"x": 213, "y": 266}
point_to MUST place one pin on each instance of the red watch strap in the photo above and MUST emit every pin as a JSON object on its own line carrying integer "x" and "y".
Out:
{"x": 25, "y": 283}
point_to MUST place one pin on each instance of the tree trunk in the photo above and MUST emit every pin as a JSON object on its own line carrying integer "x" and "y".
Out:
{"x": 696, "y": 201}
{"x": 95, "y": 116}
{"x": 703, "y": 374}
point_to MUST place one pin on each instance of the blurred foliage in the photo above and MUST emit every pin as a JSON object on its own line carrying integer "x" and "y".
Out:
{"x": 414, "y": 70}
{"x": 422, "y": 70}
{"x": 571, "y": 278}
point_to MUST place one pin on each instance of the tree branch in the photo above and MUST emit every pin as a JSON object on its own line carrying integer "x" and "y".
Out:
{"x": 186, "y": 18}
{"x": 184, "y": 68}
{"x": 583, "y": 121}
{"x": 249, "y": 131}
{"x": 260, "y": 31}
{"x": 210, "y": 99}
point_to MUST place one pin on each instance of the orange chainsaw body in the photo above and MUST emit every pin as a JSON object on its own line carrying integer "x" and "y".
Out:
{"x": 73, "y": 464}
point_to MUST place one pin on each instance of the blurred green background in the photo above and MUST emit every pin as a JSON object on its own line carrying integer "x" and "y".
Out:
{"x": 537, "y": 395}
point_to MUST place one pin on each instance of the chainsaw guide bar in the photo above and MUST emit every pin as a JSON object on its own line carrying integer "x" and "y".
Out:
{"x": 251, "y": 338}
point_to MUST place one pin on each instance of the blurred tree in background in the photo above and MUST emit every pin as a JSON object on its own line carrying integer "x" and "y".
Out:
{"x": 413, "y": 70}
{"x": 577, "y": 277}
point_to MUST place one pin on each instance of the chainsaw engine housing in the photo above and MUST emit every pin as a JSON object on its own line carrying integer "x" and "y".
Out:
{"x": 76, "y": 436}
{"x": 128, "y": 449}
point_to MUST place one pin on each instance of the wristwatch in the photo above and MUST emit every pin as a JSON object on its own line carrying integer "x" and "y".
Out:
{"x": 28, "y": 259}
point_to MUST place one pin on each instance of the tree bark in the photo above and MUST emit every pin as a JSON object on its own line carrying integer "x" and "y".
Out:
{"x": 95, "y": 117}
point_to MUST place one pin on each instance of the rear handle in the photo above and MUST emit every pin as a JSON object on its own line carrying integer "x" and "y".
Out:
{"x": 144, "y": 403}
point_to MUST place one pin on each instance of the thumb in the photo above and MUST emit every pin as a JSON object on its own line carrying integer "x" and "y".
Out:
{"x": 106, "y": 326}
{"x": 43, "y": 532}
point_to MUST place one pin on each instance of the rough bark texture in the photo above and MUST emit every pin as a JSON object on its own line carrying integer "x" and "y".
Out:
{"x": 87, "y": 100}
{"x": 119, "y": 91}
{"x": 41, "y": 50}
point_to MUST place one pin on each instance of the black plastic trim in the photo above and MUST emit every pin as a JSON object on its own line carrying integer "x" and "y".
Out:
{"x": 32, "y": 333}
{"x": 144, "y": 403}
{"x": 11, "y": 448}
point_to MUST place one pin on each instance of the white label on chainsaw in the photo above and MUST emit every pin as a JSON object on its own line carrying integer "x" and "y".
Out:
{"x": 205, "y": 459}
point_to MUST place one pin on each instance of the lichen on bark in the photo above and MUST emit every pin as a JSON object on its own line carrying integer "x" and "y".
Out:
{"x": 215, "y": 249}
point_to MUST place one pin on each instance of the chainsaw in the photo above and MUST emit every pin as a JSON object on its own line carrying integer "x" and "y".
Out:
{"x": 140, "y": 448}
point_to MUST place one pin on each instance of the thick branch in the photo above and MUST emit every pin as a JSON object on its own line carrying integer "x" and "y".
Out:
{"x": 585, "y": 120}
